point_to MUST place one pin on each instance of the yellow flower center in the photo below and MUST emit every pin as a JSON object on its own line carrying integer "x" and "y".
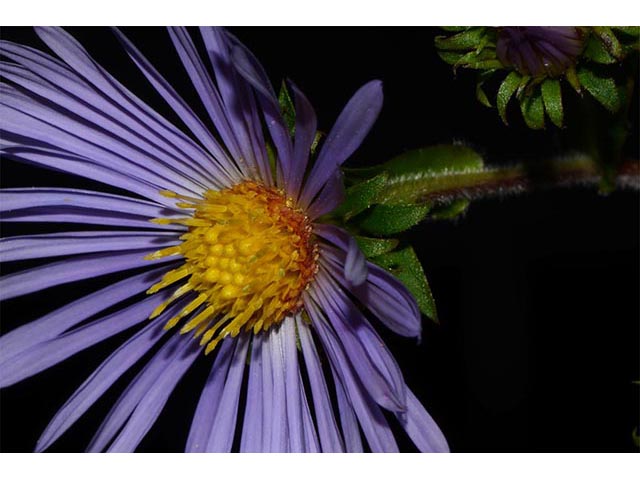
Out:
{"x": 249, "y": 256}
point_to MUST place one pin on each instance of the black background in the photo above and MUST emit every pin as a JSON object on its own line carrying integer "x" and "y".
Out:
{"x": 538, "y": 295}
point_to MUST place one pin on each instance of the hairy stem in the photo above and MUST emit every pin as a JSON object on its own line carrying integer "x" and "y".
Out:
{"x": 442, "y": 187}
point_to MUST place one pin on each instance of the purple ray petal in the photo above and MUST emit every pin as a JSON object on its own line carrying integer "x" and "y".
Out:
{"x": 348, "y": 420}
{"x": 47, "y": 354}
{"x": 278, "y": 414}
{"x": 71, "y": 270}
{"x": 206, "y": 91}
{"x": 330, "y": 438}
{"x": 92, "y": 118}
{"x": 355, "y": 265}
{"x": 331, "y": 195}
{"x": 20, "y": 198}
{"x": 306, "y": 126}
{"x": 155, "y": 397}
{"x": 58, "y": 321}
{"x": 347, "y": 134}
{"x": 293, "y": 390}
{"x": 32, "y": 119}
{"x": 311, "y": 444}
{"x": 71, "y": 243}
{"x": 374, "y": 425}
{"x": 149, "y": 121}
{"x": 139, "y": 386}
{"x": 268, "y": 402}
{"x": 220, "y": 161}
{"x": 251, "y": 70}
{"x": 251, "y": 440}
{"x": 210, "y": 398}
{"x": 239, "y": 104}
{"x": 382, "y": 294}
{"x": 421, "y": 428}
{"x": 104, "y": 376}
{"x": 224, "y": 425}
{"x": 76, "y": 165}
{"x": 366, "y": 351}
{"x": 85, "y": 216}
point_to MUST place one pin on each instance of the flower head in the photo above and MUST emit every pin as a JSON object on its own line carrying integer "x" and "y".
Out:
{"x": 539, "y": 51}
{"x": 236, "y": 262}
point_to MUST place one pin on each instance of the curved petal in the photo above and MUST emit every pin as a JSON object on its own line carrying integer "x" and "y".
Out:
{"x": 306, "y": 126}
{"x": 149, "y": 121}
{"x": 220, "y": 162}
{"x": 210, "y": 398}
{"x": 21, "y": 198}
{"x": 330, "y": 437}
{"x": 251, "y": 70}
{"x": 239, "y": 104}
{"x": 378, "y": 371}
{"x": 294, "y": 397}
{"x": 58, "y": 321}
{"x": 252, "y": 427}
{"x": 73, "y": 243}
{"x": 154, "y": 399}
{"x": 355, "y": 265}
{"x": 421, "y": 428}
{"x": 93, "y": 120}
{"x": 66, "y": 271}
{"x": 207, "y": 92}
{"x": 375, "y": 427}
{"x": 137, "y": 389}
{"x": 353, "y": 124}
{"x": 49, "y": 353}
{"x": 224, "y": 424}
{"x": 104, "y": 376}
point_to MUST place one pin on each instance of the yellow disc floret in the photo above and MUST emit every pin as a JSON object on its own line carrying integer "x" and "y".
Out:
{"x": 249, "y": 256}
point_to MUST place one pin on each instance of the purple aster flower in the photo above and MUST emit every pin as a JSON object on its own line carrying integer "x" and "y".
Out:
{"x": 236, "y": 264}
{"x": 539, "y": 51}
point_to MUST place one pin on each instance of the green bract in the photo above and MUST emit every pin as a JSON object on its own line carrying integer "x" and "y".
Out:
{"x": 540, "y": 96}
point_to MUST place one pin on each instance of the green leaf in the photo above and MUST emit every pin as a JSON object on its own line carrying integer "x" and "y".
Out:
{"x": 316, "y": 141}
{"x": 454, "y": 29}
{"x": 450, "y": 210}
{"x": 609, "y": 40}
{"x": 595, "y": 51}
{"x": 532, "y": 108}
{"x": 552, "y": 96}
{"x": 466, "y": 40}
{"x": 505, "y": 92}
{"x": 386, "y": 220}
{"x": 404, "y": 264}
{"x": 435, "y": 159}
{"x": 602, "y": 89}
{"x": 372, "y": 247}
{"x": 361, "y": 196}
{"x": 481, "y": 96}
{"x": 287, "y": 108}
{"x": 572, "y": 78}
{"x": 416, "y": 173}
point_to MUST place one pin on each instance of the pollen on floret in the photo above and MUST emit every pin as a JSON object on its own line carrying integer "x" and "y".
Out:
{"x": 249, "y": 255}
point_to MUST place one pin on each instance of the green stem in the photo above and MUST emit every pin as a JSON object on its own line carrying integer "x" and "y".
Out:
{"x": 443, "y": 187}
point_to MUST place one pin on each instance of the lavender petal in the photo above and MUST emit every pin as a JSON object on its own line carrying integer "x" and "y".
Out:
{"x": 330, "y": 437}
{"x": 56, "y": 322}
{"x": 154, "y": 399}
{"x": 421, "y": 428}
{"x": 73, "y": 243}
{"x": 251, "y": 439}
{"x": 66, "y": 271}
{"x": 210, "y": 398}
{"x": 49, "y": 353}
{"x": 350, "y": 129}
{"x": 100, "y": 380}
{"x": 224, "y": 425}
